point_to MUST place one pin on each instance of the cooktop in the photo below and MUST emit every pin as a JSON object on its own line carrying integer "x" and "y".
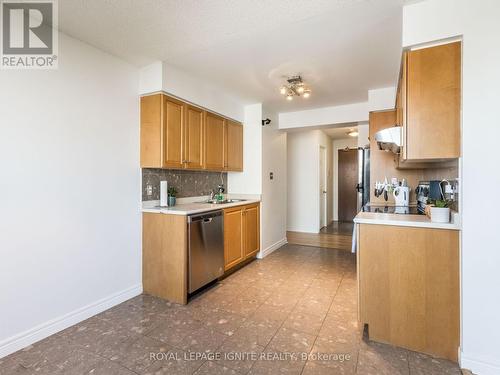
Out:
{"x": 411, "y": 210}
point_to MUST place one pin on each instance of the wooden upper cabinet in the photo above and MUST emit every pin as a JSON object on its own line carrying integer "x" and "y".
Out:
{"x": 193, "y": 155}
{"x": 401, "y": 104}
{"x": 178, "y": 135}
{"x": 233, "y": 237}
{"x": 433, "y": 101}
{"x": 173, "y": 133}
{"x": 234, "y": 146}
{"x": 151, "y": 131}
{"x": 251, "y": 220}
{"x": 214, "y": 142}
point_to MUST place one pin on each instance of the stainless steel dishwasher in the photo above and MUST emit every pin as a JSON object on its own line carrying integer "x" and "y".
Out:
{"x": 206, "y": 248}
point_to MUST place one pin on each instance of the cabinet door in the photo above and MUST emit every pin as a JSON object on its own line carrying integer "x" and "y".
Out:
{"x": 151, "y": 156}
{"x": 173, "y": 124}
{"x": 251, "y": 219}
{"x": 403, "y": 115}
{"x": 234, "y": 146}
{"x": 214, "y": 142}
{"x": 409, "y": 287}
{"x": 433, "y": 102}
{"x": 193, "y": 156}
{"x": 233, "y": 237}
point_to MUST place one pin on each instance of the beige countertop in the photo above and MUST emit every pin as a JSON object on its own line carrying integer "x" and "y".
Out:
{"x": 195, "y": 205}
{"x": 402, "y": 220}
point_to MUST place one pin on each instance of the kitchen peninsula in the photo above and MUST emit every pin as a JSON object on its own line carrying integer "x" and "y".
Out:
{"x": 408, "y": 265}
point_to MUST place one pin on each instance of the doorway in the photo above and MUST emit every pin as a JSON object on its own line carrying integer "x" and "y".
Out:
{"x": 347, "y": 181}
{"x": 323, "y": 198}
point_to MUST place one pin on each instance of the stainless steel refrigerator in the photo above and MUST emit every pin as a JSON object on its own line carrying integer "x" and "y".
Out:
{"x": 363, "y": 186}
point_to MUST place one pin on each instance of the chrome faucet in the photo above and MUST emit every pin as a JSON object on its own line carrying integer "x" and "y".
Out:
{"x": 220, "y": 189}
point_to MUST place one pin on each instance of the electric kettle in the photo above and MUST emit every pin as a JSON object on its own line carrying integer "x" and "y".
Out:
{"x": 401, "y": 196}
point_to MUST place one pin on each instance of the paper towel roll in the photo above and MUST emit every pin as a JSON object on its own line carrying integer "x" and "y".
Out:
{"x": 163, "y": 193}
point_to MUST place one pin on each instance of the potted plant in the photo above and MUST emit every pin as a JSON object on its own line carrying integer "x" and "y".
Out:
{"x": 440, "y": 211}
{"x": 172, "y": 194}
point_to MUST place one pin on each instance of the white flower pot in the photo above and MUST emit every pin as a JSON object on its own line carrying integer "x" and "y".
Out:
{"x": 440, "y": 215}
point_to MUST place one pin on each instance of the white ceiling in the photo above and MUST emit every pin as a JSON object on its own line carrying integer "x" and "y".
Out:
{"x": 340, "y": 133}
{"x": 342, "y": 48}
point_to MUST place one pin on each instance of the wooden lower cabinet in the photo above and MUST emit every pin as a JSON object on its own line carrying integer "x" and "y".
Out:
{"x": 251, "y": 230}
{"x": 165, "y": 248}
{"x": 233, "y": 237}
{"x": 241, "y": 234}
{"x": 408, "y": 280}
{"x": 164, "y": 256}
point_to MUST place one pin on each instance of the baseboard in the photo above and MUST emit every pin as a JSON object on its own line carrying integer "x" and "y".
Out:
{"x": 479, "y": 367}
{"x": 270, "y": 249}
{"x": 300, "y": 230}
{"x": 28, "y": 337}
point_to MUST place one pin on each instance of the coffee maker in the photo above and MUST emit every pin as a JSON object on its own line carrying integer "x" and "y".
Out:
{"x": 427, "y": 190}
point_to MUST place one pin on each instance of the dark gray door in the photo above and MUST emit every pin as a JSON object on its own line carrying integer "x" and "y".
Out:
{"x": 347, "y": 182}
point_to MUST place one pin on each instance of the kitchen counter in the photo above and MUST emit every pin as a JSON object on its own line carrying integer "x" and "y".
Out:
{"x": 402, "y": 220}
{"x": 190, "y": 207}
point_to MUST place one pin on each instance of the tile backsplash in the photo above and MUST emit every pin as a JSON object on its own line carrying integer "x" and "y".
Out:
{"x": 187, "y": 183}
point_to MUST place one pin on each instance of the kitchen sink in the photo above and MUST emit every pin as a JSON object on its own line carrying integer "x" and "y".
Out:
{"x": 225, "y": 201}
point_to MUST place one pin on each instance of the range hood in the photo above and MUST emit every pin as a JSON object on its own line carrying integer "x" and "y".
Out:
{"x": 389, "y": 139}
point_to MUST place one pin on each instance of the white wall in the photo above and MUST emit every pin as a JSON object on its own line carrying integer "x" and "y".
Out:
{"x": 71, "y": 227}
{"x": 250, "y": 180}
{"x": 303, "y": 201}
{"x": 478, "y": 22}
{"x": 326, "y": 142}
{"x": 151, "y": 78}
{"x": 380, "y": 99}
{"x": 363, "y": 134}
{"x": 274, "y": 201}
{"x": 339, "y": 144}
{"x": 197, "y": 90}
{"x": 324, "y": 116}
{"x": 432, "y": 20}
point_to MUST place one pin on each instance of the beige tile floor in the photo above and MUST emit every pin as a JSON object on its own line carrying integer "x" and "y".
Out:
{"x": 292, "y": 313}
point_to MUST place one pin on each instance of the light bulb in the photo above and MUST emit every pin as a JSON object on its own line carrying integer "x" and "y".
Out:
{"x": 300, "y": 89}
{"x": 289, "y": 97}
{"x": 353, "y": 133}
{"x": 283, "y": 90}
{"x": 307, "y": 93}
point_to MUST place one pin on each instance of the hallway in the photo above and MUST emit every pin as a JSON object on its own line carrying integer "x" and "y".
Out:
{"x": 337, "y": 235}
{"x": 293, "y": 312}
{"x": 339, "y": 227}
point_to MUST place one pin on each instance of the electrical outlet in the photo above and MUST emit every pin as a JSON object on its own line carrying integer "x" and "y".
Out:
{"x": 149, "y": 190}
{"x": 271, "y": 175}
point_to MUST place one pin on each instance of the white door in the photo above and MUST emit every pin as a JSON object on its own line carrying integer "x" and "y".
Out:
{"x": 322, "y": 187}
